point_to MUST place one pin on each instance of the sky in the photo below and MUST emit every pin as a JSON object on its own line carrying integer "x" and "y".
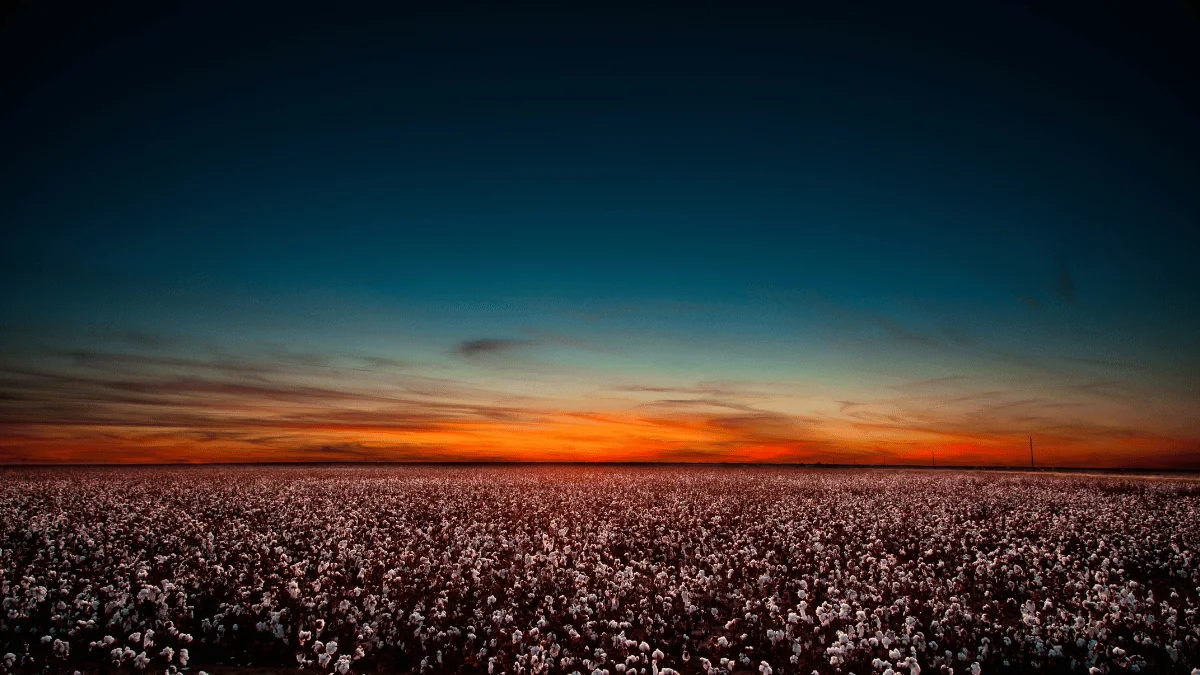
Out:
{"x": 843, "y": 233}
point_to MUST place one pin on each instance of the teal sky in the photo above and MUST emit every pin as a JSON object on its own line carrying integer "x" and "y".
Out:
{"x": 853, "y": 233}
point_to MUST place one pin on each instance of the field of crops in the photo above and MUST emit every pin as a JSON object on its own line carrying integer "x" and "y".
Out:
{"x": 562, "y": 569}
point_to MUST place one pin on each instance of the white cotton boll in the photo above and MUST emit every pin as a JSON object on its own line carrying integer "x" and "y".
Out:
{"x": 331, "y": 647}
{"x": 657, "y": 654}
{"x": 765, "y": 668}
{"x": 975, "y": 669}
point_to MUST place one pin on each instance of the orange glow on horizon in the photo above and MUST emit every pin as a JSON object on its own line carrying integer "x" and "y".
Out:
{"x": 573, "y": 437}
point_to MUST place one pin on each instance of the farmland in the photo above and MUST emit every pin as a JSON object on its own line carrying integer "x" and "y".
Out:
{"x": 609, "y": 569}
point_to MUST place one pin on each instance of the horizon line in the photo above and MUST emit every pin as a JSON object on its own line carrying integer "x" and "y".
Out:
{"x": 448, "y": 463}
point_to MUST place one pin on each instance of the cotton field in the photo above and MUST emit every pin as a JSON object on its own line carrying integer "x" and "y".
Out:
{"x": 564, "y": 569}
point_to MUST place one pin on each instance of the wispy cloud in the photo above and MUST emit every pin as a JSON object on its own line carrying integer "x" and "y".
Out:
{"x": 548, "y": 338}
{"x": 272, "y": 404}
{"x": 483, "y": 347}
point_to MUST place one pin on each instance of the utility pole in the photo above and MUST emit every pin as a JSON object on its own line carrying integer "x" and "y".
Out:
{"x": 1031, "y": 464}
{"x": 933, "y": 456}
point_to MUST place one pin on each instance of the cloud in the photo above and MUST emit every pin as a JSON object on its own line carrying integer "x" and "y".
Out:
{"x": 700, "y": 389}
{"x": 1117, "y": 390}
{"x": 382, "y": 363}
{"x": 936, "y": 383}
{"x": 490, "y": 346}
{"x": 1102, "y": 363}
{"x": 91, "y": 389}
{"x": 487, "y": 348}
{"x": 272, "y": 404}
{"x": 698, "y": 402}
{"x": 339, "y": 452}
{"x": 93, "y": 359}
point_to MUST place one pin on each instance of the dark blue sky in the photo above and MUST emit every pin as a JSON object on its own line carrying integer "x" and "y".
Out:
{"x": 846, "y": 199}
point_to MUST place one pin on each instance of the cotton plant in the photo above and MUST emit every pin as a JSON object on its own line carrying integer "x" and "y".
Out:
{"x": 597, "y": 570}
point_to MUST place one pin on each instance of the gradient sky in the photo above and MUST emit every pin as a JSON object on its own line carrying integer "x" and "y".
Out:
{"x": 858, "y": 233}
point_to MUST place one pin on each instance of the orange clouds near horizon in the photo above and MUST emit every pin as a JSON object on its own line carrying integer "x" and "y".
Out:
{"x": 572, "y": 437}
{"x": 122, "y": 408}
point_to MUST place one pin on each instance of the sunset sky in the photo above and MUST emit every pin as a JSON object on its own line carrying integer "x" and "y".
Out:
{"x": 866, "y": 233}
